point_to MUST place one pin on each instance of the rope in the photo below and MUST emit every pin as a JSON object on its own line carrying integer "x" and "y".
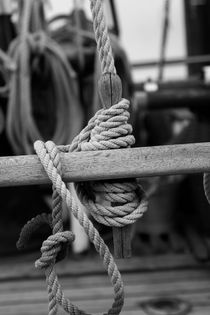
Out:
{"x": 111, "y": 203}
{"x": 50, "y": 159}
{"x": 31, "y": 227}
{"x": 26, "y": 51}
{"x": 109, "y": 129}
{"x": 102, "y": 37}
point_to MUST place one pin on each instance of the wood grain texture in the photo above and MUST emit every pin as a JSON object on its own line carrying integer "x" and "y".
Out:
{"x": 23, "y": 266}
{"x": 93, "y": 293}
{"x": 111, "y": 164}
{"x": 122, "y": 241}
{"x": 110, "y": 90}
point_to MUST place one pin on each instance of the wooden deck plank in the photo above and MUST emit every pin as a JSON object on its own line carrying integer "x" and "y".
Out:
{"x": 93, "y": 292}
{"x": 24, "y": 267}
{"x": 32, "y": 311}
{"x": 173, "y": 287}
{"x": 194, "y": 289}
{"x": 96, "y": 280}
{"x": 197, "y": 302}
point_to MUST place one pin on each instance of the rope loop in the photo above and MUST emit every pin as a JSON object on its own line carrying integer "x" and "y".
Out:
{"x": 110, "y": 203}
{"x": 32, "y": 226}
{"x": 49, "y": 155}
{"x": 51, "y": 247}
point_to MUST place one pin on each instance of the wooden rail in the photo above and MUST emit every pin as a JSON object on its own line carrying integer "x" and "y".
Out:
{"x": 112, "y": 164}
{"x": 193, "y": 98}
{"x": 185, "y": 60}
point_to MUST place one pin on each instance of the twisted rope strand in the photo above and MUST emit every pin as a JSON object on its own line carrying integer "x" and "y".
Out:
{"x": 92, "y": 233}
{"x": 29, "y": 48}
{"x": 102, "y": 38}
{"x": 109, "y": 129}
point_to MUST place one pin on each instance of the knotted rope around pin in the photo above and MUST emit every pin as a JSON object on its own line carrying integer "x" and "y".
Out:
{"x": 109, "y": 129}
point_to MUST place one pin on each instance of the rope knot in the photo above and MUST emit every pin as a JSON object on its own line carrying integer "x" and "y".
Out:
{"x": 110, "y": 129}
{"x": 112, "y": 203}
{"x": 51, "y": 248}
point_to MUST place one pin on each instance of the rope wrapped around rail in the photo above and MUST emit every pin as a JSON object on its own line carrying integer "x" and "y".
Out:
{"x": 118, "y": 203}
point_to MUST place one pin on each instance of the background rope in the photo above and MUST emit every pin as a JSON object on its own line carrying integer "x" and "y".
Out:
{"x": 26, "y": 51}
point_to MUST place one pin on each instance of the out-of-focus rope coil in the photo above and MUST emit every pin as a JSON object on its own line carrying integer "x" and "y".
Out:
{"x": 22, "y": 128}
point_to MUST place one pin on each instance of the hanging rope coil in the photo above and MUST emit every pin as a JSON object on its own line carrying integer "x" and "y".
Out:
{"x": 26, "y": 51}
{"x": 102, "y": 37}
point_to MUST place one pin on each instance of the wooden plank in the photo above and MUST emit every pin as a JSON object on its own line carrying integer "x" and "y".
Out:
{"x": 181, "y": 287}
{"x": 190, "y": 285}
{"x": 122, "y": 242}
{"x": 99, "y": 305}
{"x": 140, "y": 278}
{"x": 24, "y": 269}
{"x": 111, "y": 164}
{"x": 110, "y": 91}
{"x": 42, "y": 310}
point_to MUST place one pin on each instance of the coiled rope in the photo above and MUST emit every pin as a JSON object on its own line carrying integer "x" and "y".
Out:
{"x": 110, "y": 203}
{"x": 26, "y": 50}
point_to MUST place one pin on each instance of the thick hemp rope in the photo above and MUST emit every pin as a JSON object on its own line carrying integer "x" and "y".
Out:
{"x": 110, "y": 203}
{"x": 48, "y": 154}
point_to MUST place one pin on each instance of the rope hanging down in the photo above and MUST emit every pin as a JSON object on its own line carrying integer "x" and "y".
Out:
{"x": 111, "y": 203}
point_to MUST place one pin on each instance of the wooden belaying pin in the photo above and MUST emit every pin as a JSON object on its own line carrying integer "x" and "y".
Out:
{"x": 110, "y": 90}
